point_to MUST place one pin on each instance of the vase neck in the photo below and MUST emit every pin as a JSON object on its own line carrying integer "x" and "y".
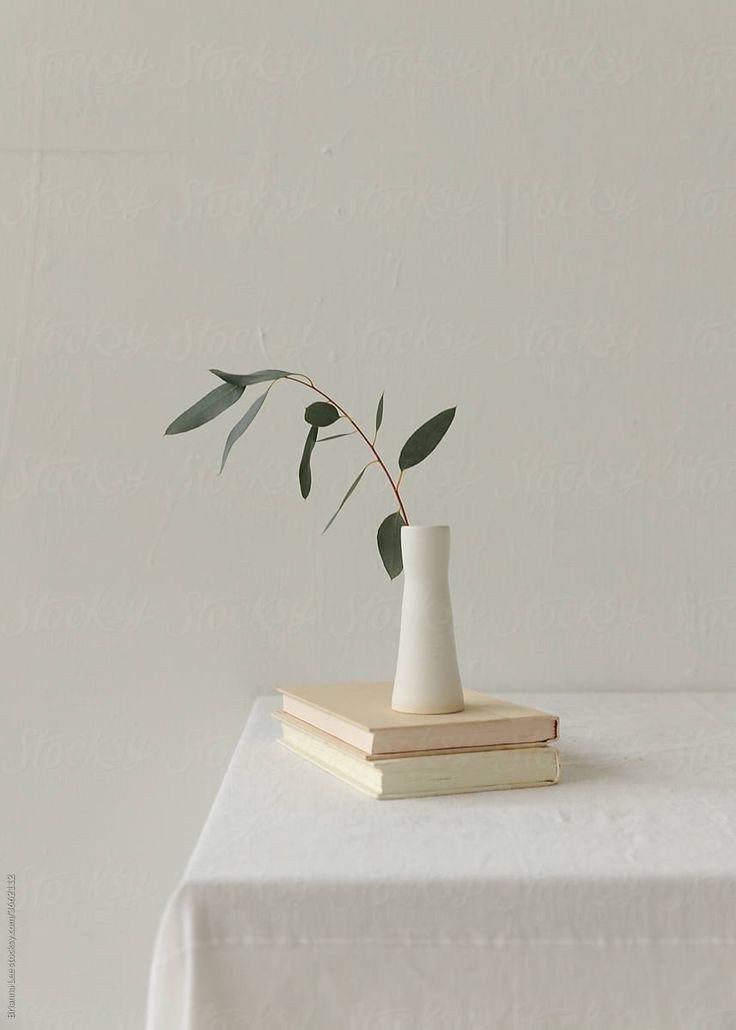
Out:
{"x": 426, "y": 551}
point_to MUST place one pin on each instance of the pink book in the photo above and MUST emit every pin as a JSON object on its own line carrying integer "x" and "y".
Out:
{"x": 361, "y": 715}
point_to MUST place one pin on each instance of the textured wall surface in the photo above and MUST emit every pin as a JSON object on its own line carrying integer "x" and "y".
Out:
{"x": 524, "y": 208}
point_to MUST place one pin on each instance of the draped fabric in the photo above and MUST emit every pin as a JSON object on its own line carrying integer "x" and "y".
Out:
{"x": 607, "y": 901}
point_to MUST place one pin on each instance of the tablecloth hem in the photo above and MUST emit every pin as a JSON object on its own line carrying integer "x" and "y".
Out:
{"x": 449, "y": 942}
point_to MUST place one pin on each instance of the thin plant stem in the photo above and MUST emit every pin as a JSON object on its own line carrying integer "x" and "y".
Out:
{"x": 394, "y": 486}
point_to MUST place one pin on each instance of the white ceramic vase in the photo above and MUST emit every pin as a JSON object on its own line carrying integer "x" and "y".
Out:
{"x": 427, "y": 680}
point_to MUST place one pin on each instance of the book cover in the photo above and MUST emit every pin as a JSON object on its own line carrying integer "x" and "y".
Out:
{"x": 360, "y": 714}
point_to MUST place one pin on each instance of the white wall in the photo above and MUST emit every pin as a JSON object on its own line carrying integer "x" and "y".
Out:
{"x": 524, "y": 208}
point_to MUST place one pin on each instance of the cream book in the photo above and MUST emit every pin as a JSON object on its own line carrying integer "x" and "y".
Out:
{"x": 425, "y": 775}
{"x": 360, "y": 714}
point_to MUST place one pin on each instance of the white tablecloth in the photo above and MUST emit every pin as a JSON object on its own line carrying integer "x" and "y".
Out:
{"x": 608, "y": 901}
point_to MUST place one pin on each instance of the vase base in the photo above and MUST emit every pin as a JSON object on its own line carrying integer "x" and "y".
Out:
{"x": 428, "y": 709}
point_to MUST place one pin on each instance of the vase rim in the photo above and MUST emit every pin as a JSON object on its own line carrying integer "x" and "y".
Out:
{"x": 424, "y": 529}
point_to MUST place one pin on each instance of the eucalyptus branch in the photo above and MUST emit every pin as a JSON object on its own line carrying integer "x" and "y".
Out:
{"x": 319, "y": 415}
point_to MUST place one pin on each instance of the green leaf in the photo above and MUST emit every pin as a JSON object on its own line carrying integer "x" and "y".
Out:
{"x": 336, "y": 436}
{"x": 347, "y": 495}
{"x": 379, "y": 414}
{"x": 389, "y": 543}
{"x": 321, "y": 414}
{"x": 423, "y": 441}
{"x": 305, "y": 471}
{"x": 207, "y": 408}
{"x": 241, "y": 425}
{"x": 263, "y": 376}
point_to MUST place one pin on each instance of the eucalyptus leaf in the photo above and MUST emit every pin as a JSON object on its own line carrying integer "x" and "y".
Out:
{"x": 389, "y": 543}
{"x": 250, "y": 378}
{"x": 241, "y": 425}
{"x": 379, "y": 414}
{"x": 305, "y": 470}
{"x": 423, "y": 441}
{"x": 207, "y": 408}
{"x": 347, "y": 495}
{"x": 336, "y": 436}
{"x": 321, "y": 414}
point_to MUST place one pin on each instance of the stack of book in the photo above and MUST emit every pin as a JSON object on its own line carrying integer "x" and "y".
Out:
{"x": 351, "y": 731}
